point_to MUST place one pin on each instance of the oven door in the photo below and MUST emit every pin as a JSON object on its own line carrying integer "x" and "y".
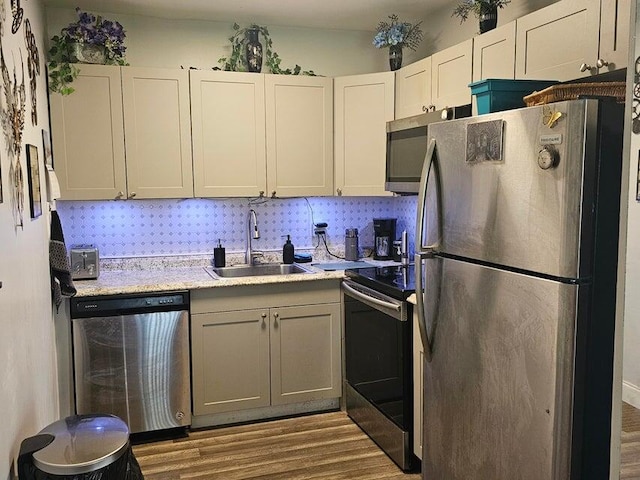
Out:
{"x": 378, "y": 351}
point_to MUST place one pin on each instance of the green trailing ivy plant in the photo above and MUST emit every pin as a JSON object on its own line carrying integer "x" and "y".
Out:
{"x": 61, "y": 71}
{"x": 236, "y": 62}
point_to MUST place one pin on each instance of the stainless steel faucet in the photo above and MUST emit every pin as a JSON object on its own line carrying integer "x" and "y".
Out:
{"x": 252, "y": 232}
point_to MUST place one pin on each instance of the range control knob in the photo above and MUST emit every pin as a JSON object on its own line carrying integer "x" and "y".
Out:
{"x": 548, "y": 157}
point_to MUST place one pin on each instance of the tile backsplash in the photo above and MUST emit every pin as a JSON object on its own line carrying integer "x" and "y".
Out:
{"x": 193, "y": 226}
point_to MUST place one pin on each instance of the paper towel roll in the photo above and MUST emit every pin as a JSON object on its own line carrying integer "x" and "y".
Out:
{"x": 53, "y": 187}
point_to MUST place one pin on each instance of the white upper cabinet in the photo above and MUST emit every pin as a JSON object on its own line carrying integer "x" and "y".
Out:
{"x": 228, "y": 134}
{"x": 124, "y": 133}
{"x": 413, "y": 89}
{"x": 157, "y": 133}
{"x": 566, "y": 40}
{"x": 451, "y": 75}
{"x": 615, "y": 20}
{"x": 299, "y": 126}
{"x": 494, "y": 53}
{"x": 363, "y": 106}
{"x": 88, "y": 136}
{"x": 256, "y": 134}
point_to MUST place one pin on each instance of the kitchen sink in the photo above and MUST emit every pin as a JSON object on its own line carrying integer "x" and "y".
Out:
{"x": 255, "y": 270}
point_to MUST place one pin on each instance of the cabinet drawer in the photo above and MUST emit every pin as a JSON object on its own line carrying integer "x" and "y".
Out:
{"x": 223, "y": 299}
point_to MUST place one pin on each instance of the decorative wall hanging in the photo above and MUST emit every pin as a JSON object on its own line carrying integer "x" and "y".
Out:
{"x": 17, "y": 12}
{"x": 33, "y": 172}
{"x": 635, "y": 116}
{"x": 33, "y": 68}
{"x": 12, "y": 115}
{"x": 3, "y": 18}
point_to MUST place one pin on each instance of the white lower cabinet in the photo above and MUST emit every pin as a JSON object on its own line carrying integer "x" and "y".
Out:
{"x": 287, "y": 352}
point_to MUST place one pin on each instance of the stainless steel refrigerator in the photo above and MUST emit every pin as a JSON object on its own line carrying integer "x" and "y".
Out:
{"x": 516, "y": 251}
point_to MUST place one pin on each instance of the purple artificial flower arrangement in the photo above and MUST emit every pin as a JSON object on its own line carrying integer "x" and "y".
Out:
{"x": 91, "y": 39}
{"x": 94, "y": 30}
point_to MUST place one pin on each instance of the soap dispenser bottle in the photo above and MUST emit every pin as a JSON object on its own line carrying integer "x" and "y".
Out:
{"x": 219, "y": 259}
{"x": 287, "y": 251}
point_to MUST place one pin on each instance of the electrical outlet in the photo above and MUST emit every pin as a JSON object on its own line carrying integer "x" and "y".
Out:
{"x": 320, "y": 228}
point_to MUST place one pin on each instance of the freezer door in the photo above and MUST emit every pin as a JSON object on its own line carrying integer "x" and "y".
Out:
{"x": 514, "y": 190}
{"x": 498, "y": 388}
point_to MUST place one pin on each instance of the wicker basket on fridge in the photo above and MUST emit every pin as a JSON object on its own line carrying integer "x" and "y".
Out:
{"x": 571, "y": 91}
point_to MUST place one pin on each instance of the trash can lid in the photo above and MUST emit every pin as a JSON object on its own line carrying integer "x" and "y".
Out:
{"x": 82, "y": 443}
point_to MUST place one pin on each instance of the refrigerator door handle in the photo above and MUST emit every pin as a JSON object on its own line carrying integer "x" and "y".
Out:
{"x": 430, "y": 161}
{"x": 422, "y": 321}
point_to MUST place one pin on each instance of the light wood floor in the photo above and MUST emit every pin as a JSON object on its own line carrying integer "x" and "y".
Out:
{"x": 630, "y": 448}
{"x": 326, "y": 446}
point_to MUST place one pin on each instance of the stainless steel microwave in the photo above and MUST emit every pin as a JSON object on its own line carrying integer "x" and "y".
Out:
{"x": 407, "y": 147}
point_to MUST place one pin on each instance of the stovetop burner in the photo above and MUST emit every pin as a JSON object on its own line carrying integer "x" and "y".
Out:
{"x": 395, "y": 280}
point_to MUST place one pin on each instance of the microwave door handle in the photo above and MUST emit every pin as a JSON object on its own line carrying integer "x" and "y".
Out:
{"x": 420, "y": 293}
{"x": 429, "y": 167}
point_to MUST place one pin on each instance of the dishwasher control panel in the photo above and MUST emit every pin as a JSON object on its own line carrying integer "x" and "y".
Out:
{"x": 118, "y": 304}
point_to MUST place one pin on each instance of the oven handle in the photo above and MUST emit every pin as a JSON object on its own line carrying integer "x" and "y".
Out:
{"x": 377, "y": 301}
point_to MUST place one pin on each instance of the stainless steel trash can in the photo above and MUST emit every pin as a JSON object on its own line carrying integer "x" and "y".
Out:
{"x": 90, "y": 447}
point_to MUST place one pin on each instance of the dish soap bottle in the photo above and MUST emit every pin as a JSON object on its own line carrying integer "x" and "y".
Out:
{"x": 219, "y": 255}
{"x": 287, "y": 251}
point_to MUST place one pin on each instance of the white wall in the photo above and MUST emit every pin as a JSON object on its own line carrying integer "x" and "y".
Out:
{"x": 28, "y": 385}
{"x": 631, "y": 358}
{"x": 157, "y": 42}
{"x": 442, "y": 30}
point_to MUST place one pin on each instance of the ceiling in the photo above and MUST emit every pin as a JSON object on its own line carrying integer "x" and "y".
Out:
{"x": 330, "y": 14}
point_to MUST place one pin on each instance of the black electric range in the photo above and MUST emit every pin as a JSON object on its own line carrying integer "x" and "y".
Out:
{"x": 397, "y": 281}
{"x": 378, "y": 356}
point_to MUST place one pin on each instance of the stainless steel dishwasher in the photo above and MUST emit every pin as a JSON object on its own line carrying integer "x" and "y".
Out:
{"x": 131, "y": 358}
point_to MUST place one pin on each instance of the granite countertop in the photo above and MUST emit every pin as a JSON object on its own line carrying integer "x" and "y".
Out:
{"x": 161, "y": 274}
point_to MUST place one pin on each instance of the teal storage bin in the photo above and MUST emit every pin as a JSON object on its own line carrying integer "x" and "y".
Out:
{"x": 495, "y": 95}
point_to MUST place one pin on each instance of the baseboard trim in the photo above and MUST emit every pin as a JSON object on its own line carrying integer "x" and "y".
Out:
{"x": 631, "y": 394}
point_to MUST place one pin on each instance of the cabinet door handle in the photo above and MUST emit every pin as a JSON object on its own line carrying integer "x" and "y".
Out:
{"x": 339, "y": 191}
{"x": 132, "y": 195}
{"x": 585, "y": 66}
{"x": 264, "y": 317}
{"x": 601, "y": 63}
{"x": 276, "y": 316}
{"x": 120, "y": 195}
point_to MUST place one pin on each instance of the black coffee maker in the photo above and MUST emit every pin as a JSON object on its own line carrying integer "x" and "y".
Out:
{"x": 384, "y": 234}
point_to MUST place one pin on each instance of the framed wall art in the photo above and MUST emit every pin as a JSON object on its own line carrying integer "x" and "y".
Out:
{"x": 46, "y": 149}
{"x": 33, "y": 170}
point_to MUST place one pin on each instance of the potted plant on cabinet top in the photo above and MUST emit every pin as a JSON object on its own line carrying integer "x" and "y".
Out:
{"x": 247, "y": 53}
{"x": 396, "y": 35}
{"x": 486, "y": 11}
{"x": 91, "y": 39}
